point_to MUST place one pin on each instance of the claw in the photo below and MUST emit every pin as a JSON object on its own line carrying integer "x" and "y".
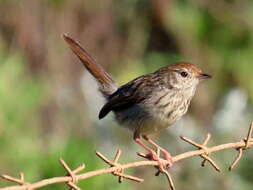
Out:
{"x": 152, "y": 156}
{"x": 164, "y": 163}
{"x": 165, "y": 153}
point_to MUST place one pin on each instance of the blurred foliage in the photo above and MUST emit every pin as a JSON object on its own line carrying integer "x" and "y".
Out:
{"x": 49, "y": 105}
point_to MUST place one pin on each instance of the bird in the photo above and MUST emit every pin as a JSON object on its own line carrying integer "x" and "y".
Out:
{"x": 148, "y": 103}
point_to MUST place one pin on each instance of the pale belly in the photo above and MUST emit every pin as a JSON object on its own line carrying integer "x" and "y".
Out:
{"x": 148, "y": 121}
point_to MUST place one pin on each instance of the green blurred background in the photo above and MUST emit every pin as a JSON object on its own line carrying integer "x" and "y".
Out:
{"x": 49, "y": 103}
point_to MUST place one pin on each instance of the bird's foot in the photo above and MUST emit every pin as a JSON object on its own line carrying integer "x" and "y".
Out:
{"x": 167, "y": 157}
{"x": 166, "y": 154}
{"x": 165, "y": 162}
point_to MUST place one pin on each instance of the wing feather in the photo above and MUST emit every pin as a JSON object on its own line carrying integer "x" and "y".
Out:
{"x": 131, "y": 93}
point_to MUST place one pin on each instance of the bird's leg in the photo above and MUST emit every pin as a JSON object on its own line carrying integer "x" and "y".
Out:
{"x": 151, "y": 153}
{"x": 166, "y": 154}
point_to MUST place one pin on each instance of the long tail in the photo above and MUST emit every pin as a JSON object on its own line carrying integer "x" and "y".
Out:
{"x": 107, "y": 84}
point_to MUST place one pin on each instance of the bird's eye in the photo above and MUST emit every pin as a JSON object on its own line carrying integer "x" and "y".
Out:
{"x": 184, "y": 74}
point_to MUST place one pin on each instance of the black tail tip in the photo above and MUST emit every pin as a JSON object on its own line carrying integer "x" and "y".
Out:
{"x": 100, "y": 116}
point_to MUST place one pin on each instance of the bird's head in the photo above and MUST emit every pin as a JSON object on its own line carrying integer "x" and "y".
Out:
{"x": 183, "y": 75}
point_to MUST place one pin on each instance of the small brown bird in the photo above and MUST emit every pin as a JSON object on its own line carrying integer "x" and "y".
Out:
{"x": 149, "y": 103}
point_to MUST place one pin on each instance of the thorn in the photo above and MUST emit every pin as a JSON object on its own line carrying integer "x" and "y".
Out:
{"x": 106, "y": 160}
{"x": 80, "y": 168}
{"x": 118, "y": 154}
{"x": 239, "y": 156}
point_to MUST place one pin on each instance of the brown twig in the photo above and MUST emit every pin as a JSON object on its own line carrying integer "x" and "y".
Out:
{"x": 208, "y": 137}
{"x": 236, "y": 160}
{"x": 206, "y": 153}
{"x": 247, "y": 145}
{"x": 117, "y": 169}
{"x": 72, "y": 174}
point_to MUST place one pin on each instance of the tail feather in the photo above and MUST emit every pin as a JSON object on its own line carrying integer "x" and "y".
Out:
{"x": 107, "y": 84}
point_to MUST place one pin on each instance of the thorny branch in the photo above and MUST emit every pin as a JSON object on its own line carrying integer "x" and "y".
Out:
{"x": 117, "y": 169}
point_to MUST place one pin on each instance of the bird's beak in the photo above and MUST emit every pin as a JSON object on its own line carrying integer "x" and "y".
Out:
{"x": 204, "y": 76}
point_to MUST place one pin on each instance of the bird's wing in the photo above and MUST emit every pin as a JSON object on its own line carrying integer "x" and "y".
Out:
{"x": 131, "y": 93}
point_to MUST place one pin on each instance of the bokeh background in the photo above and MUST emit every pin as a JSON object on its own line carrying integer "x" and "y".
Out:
{"x": 49, "y": 103}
